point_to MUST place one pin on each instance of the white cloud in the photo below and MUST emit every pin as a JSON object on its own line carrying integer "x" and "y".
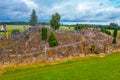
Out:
{"x": 30, "y": 4}
{"x": 83, "y": 6}
{"x": 86, "y": 10}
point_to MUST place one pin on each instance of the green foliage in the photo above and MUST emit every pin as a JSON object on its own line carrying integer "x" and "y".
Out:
{"x": 27, "y": 36}
{"x": 33, "y": 18}
{"x": 44, "y": 33}
{"x": 114, "y": 41}
{"x": 80, "y": 27}
{"x": 52, "y": 40}
{"x": 55, "y": 21}
{"x": 16, "y": 23}
{"x": 92, "y": 49}
{"x": 115, "y": 33}
{"x": 105, "y": 31}
{"x": 113, "y": 24}
{"x": 53, "y": 43}
{"x": 15, "y": 31}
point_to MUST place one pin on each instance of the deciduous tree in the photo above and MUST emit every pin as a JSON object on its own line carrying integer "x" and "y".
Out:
{"x": 55, "y": 21}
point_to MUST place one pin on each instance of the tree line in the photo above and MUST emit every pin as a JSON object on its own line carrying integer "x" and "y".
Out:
{"x": 24, "y": 23}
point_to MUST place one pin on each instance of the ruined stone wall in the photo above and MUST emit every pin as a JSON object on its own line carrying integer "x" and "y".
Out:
{"x": 60, "y": 52}
{"x": 71, "y": 43}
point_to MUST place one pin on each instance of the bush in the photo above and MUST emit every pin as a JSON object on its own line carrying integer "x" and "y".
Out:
{"x": 115, "y": 33}
{"x": 114, "y": 41}
{"x": 53, "y": 43}
{"x": 15, "y": 31}
{"x": 92, "y": 49}
{"x": 97, "y": 52}
{"x": 44, "y": 33}
{"x": 27, "y": 36}
{"x": 52, "y": 40}
{"x": 105, "y": 31}
{"x": 80, "y": 27}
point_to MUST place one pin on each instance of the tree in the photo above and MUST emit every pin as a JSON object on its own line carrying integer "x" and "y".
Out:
{"x": 55, "y": 21}
{"x": 27, "y": 36}
{"x": 76, "y": 27}
{"x": 115, "y": 33}
{"x": 15, "y": 31}
{"x": 114, "y": 41}
{"x": 113, "y": 25}
{"x": 44, "y": 33}
{"x": 105, "y": 31}
{"x": 80, "y": 27}
{"x": 33, "y": 18}
{"x": 52, "y": 40}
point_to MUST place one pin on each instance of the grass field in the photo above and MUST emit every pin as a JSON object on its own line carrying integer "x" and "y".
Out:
{"x": 66, "y": 28}
{"x": 12, "y": 27}
{"x": 113, "y": 31}
{"x": 20, "y": 27}
{"x": 88, "y": 68}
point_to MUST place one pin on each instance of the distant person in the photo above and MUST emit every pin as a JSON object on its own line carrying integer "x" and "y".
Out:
{"x": 2, "y": 28}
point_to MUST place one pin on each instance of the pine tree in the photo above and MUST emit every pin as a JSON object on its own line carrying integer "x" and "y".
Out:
{"x": 33, "y": 18}
{"x": 52, "y": 40}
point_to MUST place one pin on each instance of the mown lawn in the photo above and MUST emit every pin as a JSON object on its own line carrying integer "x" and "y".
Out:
{"x": 89, "y": 68}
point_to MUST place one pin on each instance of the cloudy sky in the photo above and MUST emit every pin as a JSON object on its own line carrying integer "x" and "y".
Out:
{"x": 70, "y": 10}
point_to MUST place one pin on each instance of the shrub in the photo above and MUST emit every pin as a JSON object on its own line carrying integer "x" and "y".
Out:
{"x": 115, "y": 33}
{"x": 80, "y": 27}
{"x": 97, "y": 52}
{"x": 15, "y": 31}
{"x": 27, "y": 36}
{"x": 114, "y": 41}
{"x": 53, "y": 43}
{"x": 105, "y": 31}
{"x": 52, "y": 40}
{"x": 44, "y": 33}
{"x": 92, "y": 49}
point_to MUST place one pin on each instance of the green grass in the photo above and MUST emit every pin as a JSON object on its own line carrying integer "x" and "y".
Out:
{"x": 89, "y": 68}
{"x": 66, "y": 28}
{"x": 20, "y": 27}
{"x": 113, "y": 31}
